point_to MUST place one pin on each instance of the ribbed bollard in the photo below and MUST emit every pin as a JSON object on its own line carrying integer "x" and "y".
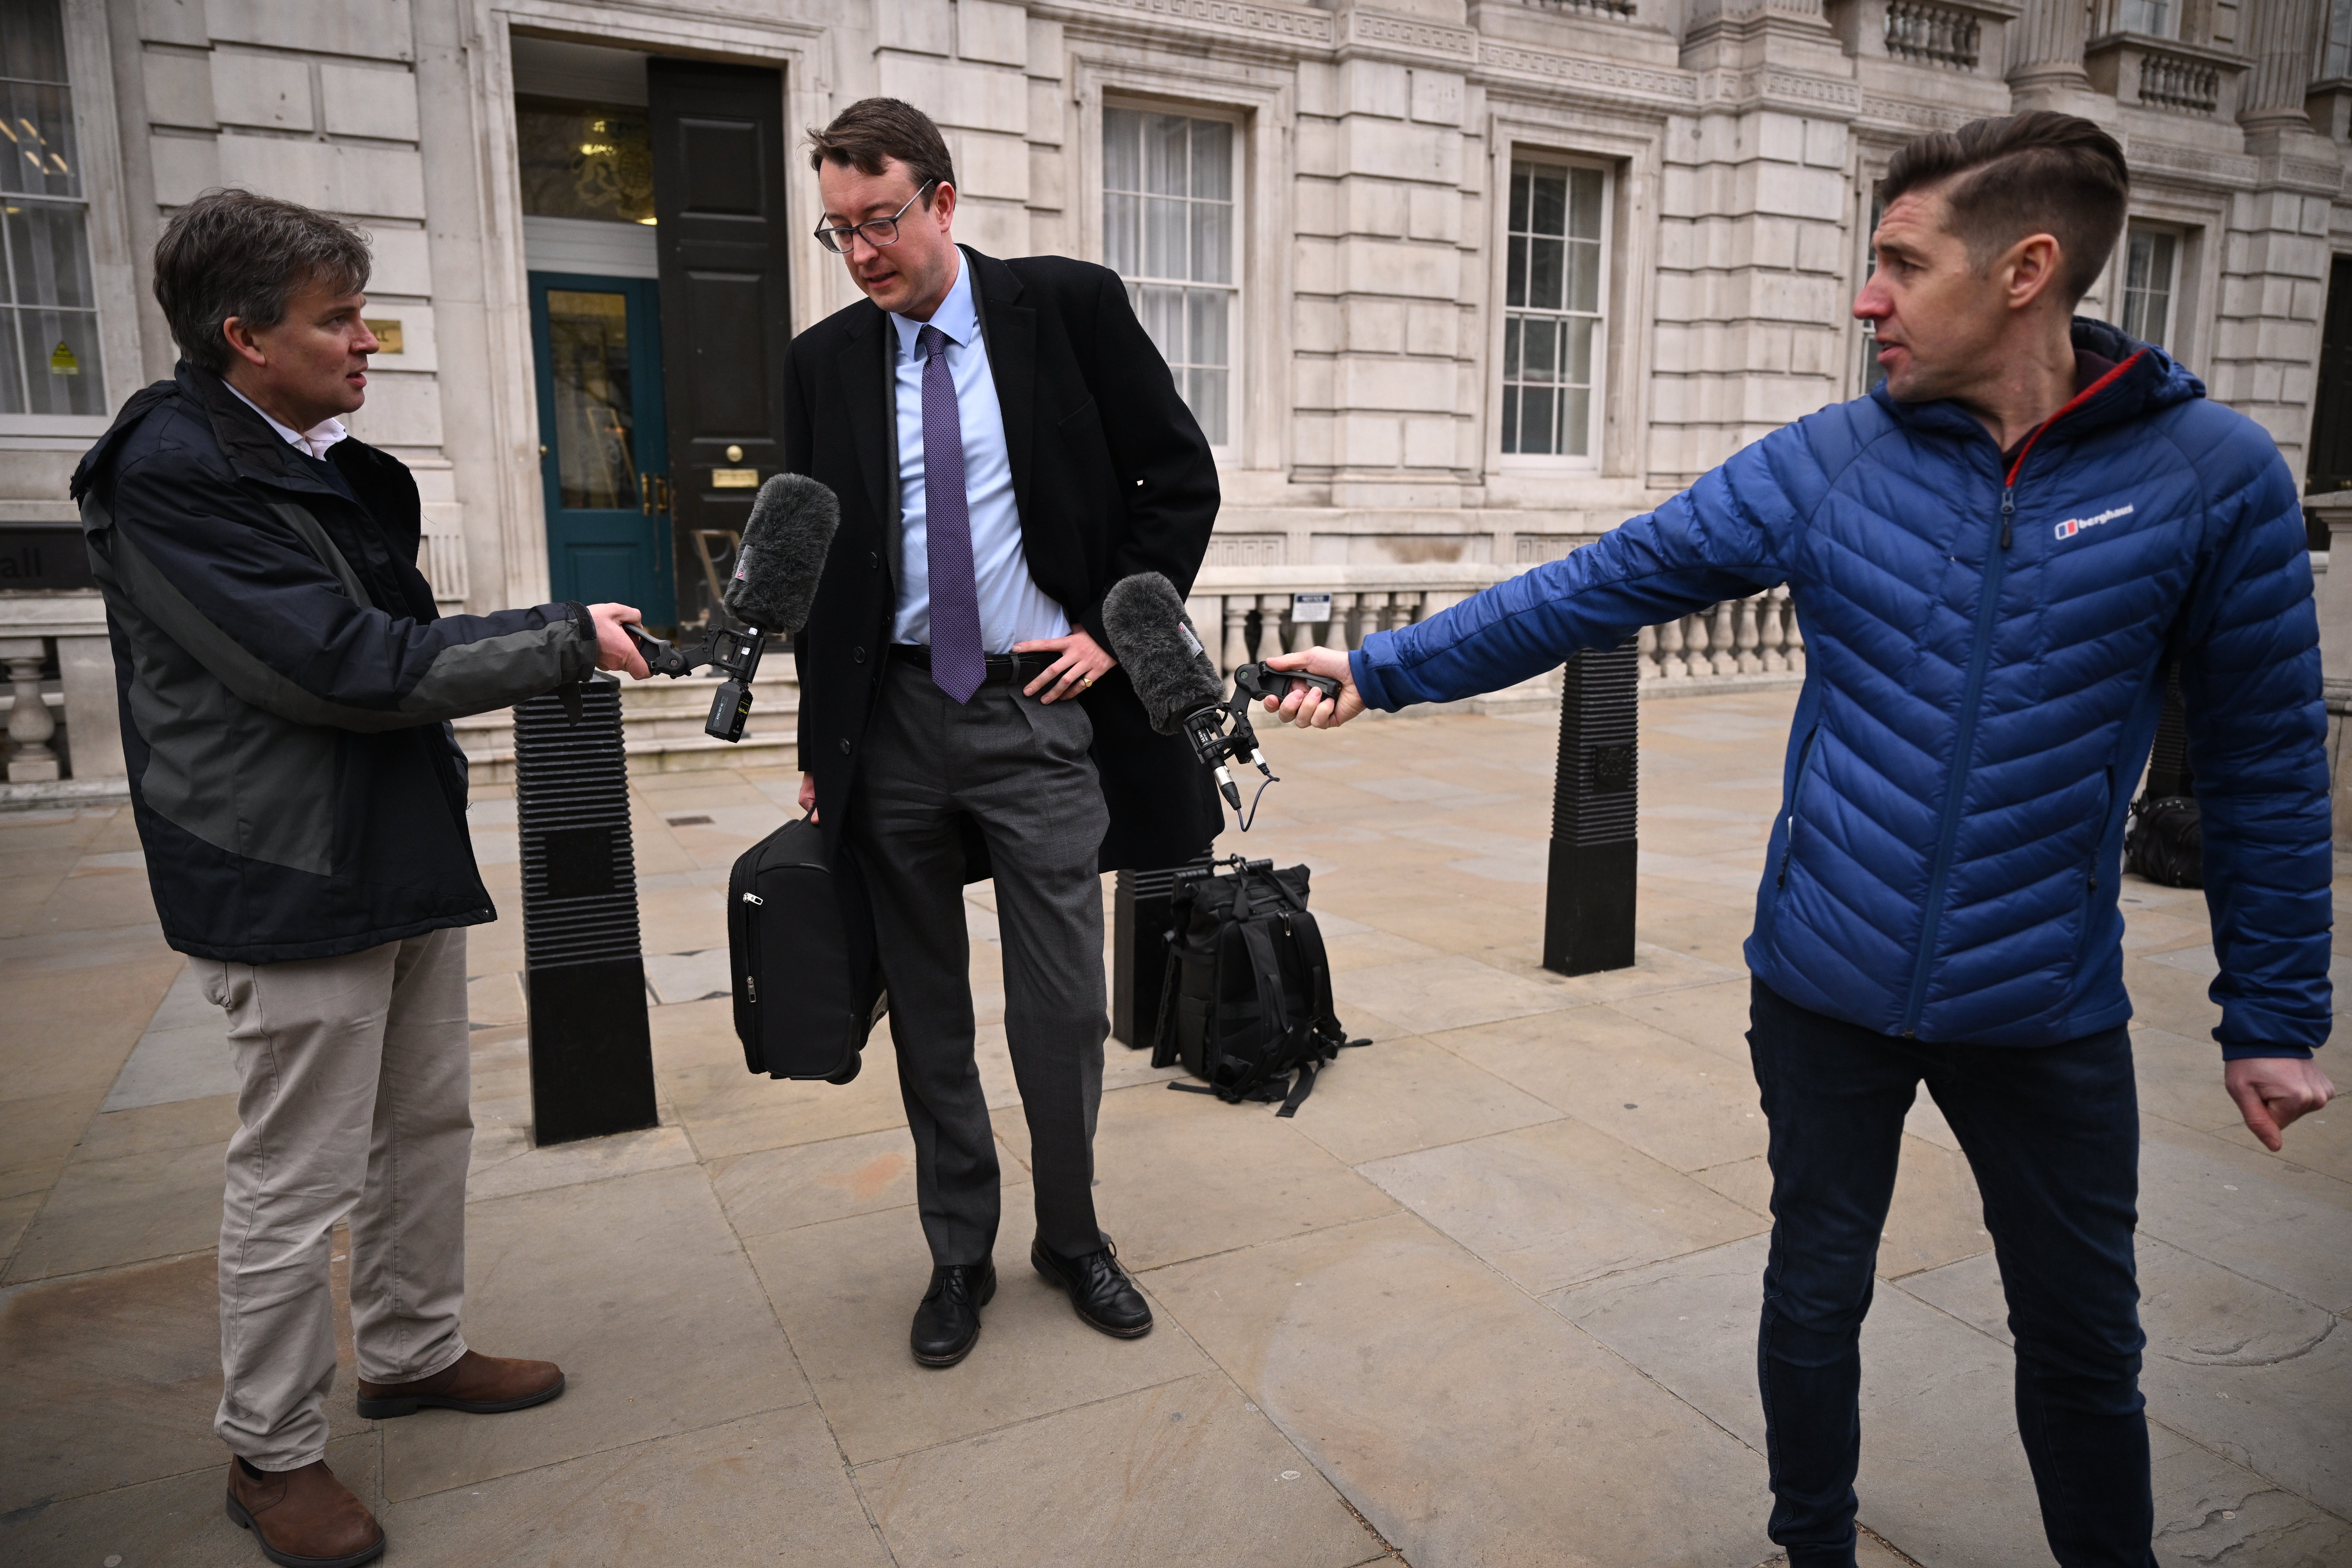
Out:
{"x": 1589, "y": 899}
{"x": 1139, "y": 955}
{"x": 591, "y": 1066}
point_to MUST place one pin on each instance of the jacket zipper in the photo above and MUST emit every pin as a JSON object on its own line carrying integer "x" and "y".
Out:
{"x": 1978, "y": 658}
{"x": 1932, "y": 923}
{"x": 1796, "y": 793}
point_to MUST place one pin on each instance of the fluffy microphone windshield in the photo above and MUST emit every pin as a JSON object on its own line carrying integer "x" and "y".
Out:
{"x": 1155, "y": 642}
{"x": 791, "y": 528}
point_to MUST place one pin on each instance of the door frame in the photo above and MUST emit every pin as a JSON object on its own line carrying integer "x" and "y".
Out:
{"x": 487, "y": 144}
{"x": 649, "y": 436}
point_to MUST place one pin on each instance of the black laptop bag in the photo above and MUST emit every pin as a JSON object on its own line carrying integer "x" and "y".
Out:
{"x": 1246, "y": 1005}
{"x": 800, "y": 940}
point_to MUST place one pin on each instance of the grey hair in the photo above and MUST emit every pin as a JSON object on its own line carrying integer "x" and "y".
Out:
{"x": 231, "y": 253}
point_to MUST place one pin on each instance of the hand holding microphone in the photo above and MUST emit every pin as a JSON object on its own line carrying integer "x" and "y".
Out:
{"x": 1310, "y": 707}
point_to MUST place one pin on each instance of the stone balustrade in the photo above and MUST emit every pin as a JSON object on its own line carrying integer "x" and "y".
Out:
{"x": 1755, "y": 636}
{"x": 64, "y": 734}
{"x": 1924, "y": 32}
{"x": 1617, "y": 9}
{"x": 1247, "y": 613}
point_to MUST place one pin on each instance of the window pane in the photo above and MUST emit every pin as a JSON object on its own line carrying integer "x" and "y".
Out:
{"x": 1166, "y": 243}
{"x": 1550, "y": 207}
{"x": 1166, "y": 153}
{"x": 1515, "y": 286}
{"x": 1537, "y": 415}
{"x": 48, "y": 255}
{"x": 1584, "y": 209}
{"x": 1522, "y": 178}
{"x": 1212, "y": 161}
{"x": 1123, "y": 149}
{"x": 1512, "y": 327}
{"x": 1546, "y": 273}
{"x": 585, "y": 160}
{"x": 1577, "y": 362}
{"x": 1162, "y": 311}
{"x": 12, "y": 370}
{"x": 1205, "y": 310}
{"x": 60, "y": 358}
{"x": 32, "y": 41}
{"x": 1206, "y": 397}
{"x": 1122, "y": 233}
{"x": 1511, "y": 419}
{"x": 1583, "y": 276}
{"x": 1212, "y": 242}
{"x": 588, "y": 337}
{"x": 1575, "y": 421}
{"x": 1539, "y": 348}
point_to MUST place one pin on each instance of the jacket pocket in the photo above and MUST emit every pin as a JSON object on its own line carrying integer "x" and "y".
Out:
{"x": 2088, "y": 915}
{"x": 1796, "y": 794}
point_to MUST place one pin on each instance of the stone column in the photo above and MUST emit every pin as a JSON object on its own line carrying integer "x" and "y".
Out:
{"x": 30, "y": 725}
{"x": 2282, "y": 38}
{"x": 2045, "y": 48}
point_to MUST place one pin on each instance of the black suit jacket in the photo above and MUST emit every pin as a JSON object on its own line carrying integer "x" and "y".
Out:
{"x": 1111, "y": 475}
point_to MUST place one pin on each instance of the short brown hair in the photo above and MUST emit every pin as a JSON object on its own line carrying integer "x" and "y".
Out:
{"x": 873, "y": 129}
{"x": 232, "y": 253}
{"x": 2039, "y": 173}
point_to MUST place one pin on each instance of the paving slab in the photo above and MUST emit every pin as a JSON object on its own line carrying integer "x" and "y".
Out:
{"x": 638, "y": 1290}
{"x": 1407, "y": 1093}
{"x": 2209, "y": 1511}
{"x": 112, "y": 1379}
{"x": 1178, "y": 1175}
{"x": 1121, "y": 1481}
{"x": 1424, "y": 996}
{"x": 767, "y": 1488}
{"x": 152, "y": 1129}
{"x": 1680, "y": 1103}
{"x": 2248, "y": 1210}
{"x": 1467, "y": 1424}
{"x": 179, "y": 1521}
{"x": 846, "y": 1291}
{"x": 1943, "y": 1476}
{"x": 104, "y": 1213}
{"x": 1559, "y": 1203}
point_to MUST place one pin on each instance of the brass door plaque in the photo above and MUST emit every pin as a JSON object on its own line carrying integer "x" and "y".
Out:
{"x": 735, "y": 479}
{"x": 387, "y": 333}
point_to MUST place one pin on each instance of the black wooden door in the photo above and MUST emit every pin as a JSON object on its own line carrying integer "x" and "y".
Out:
{"x": 2330, "y": 468}
{"x": 726, "y": 312}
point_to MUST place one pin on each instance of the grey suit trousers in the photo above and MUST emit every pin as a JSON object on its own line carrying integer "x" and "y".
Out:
{"x": 1020, "y": 769}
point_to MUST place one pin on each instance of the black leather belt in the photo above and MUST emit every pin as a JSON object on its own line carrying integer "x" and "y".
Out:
{"x": 1015, "y": 669}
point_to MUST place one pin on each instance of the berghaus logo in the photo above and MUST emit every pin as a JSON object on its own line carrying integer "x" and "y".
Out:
{"x": 2074, "y": 525}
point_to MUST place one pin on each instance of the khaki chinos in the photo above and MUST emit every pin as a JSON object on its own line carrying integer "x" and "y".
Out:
{"x": 355, "y": 1074}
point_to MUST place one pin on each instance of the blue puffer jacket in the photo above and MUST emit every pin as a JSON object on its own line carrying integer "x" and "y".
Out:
{"x": 1983, "y": 675}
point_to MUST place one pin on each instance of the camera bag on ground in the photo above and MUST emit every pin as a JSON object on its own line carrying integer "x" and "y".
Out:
{"x": 800, "y": 944}
{"x": 2166, "y": 841}
{"x": 1246, "y": 1005}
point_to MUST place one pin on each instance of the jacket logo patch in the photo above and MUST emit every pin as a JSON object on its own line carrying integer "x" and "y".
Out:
{"x": 2074, "y": 525}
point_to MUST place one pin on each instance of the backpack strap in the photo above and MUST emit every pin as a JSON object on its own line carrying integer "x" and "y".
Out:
{"x": 1163, "y": 1039}
{"x": 1273, "y": 1014}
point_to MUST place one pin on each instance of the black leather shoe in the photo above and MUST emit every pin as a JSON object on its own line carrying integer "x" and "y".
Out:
{"x": 947, "y": 1325}
{"x": 1099, "y": 1289}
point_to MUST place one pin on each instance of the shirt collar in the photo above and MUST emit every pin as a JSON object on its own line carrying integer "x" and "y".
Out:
{"x": 956, "y": 317}
{"x": 313, "y": 442}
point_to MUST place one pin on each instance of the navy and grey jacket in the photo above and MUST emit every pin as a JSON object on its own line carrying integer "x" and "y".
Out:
{"x": 1985, "y": 640}
{"x": 285, "y": 684}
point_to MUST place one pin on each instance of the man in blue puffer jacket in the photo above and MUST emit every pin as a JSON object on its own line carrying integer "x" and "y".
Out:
{"x": 1995, "y": 557}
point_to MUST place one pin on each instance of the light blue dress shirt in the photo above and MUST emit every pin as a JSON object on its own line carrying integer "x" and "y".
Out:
{"x": 1013, "y": 608}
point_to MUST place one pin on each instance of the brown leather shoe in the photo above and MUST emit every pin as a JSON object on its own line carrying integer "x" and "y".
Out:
{"x": 305, "y": 1518}
{"x": 477, "y": 1384}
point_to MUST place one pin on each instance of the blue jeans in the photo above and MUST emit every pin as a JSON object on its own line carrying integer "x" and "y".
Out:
{"x": 2052, "y": 1134}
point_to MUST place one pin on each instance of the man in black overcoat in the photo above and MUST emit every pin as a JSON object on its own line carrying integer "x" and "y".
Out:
{"x": 1007, "y": 443}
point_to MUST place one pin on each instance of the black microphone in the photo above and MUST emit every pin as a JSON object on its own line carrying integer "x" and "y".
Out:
{"x": 1164, "y": 660}
{"x": 777, "y": 567}
{"x": 783, "y": 556}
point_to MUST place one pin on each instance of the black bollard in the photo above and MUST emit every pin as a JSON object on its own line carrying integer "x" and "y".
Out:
{"x": 1589, "y": 896}
{"x": 591, "y": 1066}
{"x": 1139, "y": 955}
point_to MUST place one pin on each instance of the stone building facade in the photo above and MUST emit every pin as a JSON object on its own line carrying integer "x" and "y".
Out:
{"x": 1456, "y": 284}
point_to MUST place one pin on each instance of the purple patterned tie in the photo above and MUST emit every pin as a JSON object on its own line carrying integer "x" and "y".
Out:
{"x": 957, "y": 663}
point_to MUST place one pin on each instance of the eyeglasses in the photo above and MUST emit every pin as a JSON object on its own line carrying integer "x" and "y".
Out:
{"x": 878, "y": 231}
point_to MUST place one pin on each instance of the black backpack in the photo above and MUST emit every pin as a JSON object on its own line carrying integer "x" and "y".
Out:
{"x": 1246, "y": 1005}
{"x": 2166, "y": 841}
{"x": 799, "y": 941}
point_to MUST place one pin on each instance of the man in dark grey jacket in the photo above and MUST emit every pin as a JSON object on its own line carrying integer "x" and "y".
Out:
{"x": 286, "y": 687}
